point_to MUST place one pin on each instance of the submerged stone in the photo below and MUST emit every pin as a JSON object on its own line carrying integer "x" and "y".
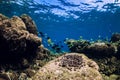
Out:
{"x": 30, "y": 24}
{"x": 105, "y": 53}
{"x": 77, "y": 45}
{"x": 70, "y": 66}
{"x": 16, "y": 41}
{"x": 4, "y": 76}
{"x": 100, "y": 49}
{"x": 115, "y": 37}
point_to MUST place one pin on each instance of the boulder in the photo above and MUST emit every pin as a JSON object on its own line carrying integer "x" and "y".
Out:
{"x": 77, "y": 45}
{"x": 72, "y": 66}
{"x": 16, "y": 41}
{"x": 115, "y": 37}
{"x": 30, "y": 24}
{"x": 100, "y": 49}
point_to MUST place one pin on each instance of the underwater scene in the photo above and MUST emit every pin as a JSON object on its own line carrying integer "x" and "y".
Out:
{"x": 59, "y": 39}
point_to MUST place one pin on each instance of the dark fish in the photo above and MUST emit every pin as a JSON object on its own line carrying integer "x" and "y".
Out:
{"x": 41, "y": 34}
{"x": 48, "y": 37}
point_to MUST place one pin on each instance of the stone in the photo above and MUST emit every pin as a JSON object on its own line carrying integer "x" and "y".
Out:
{"x": 115, "y": 37}
{"x": 100, "y": 49}
{"x": 30, "y": 72}
{"x": 42, "y": 53}
{"x": 2, "y": 17}
{"x": 16, "y": 41}
{"x": 17, "y": 22}
{"x": 22, "y": 76}
{"x": 30, "y": 24}
{"x": 77, "y": 46}
{"x": 71, "y": 66}
{"x": 4, "y": 76}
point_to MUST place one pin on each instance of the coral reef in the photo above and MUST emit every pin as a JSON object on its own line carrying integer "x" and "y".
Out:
{"x": 16, "y": 42}
{"x": 105, "y": 53}
{"x": 100, "y": 49}
{"x": 77, "y": 45}
{"x": 59, "y": 69}
{"x": 21, "y": 50}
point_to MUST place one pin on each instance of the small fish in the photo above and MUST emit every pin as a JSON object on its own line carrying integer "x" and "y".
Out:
{"x": 49, "y": 41}
{"x": 56, "y": 48}
{"x": 41, "y": 34}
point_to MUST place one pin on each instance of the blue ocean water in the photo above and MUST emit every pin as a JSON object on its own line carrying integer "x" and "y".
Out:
{"x": 61, "y": 19}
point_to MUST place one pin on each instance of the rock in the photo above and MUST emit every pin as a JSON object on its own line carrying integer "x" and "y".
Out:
{"x": 106, "y": 56}
{"x": 30, "y": 72}
{"x": 111, "y": 77}
{"x": 30, "y": 24}
{"x": 17, "y": 22}
{"x": 43, "y": 56}
{"x": 118, "y": 48}
{"x": 117, "y": 44}
{"x": 100, "y": 49}
{"x": 2, "y": 17}
{"x": 22, "y": 76}
{"x": 9, "y": 75}
{"x": 109, "y": 65}
{"x": 115, "y": 37}
{"x": 4, "y": 76}
{"x": 24, "y": 63}
{"x": 77, "y": 46}
{"x": 70, "y": 66}
{"x": 104, "y": 53}
{"x": 16, "y": 42}
{"x": 42, "y": 53}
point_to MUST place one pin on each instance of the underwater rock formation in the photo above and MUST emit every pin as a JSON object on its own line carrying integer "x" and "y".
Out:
{"x": 77, "y": 45}
{"x": 115, "y": 37}
{"x": 95, "y": 49}
{"x": 21, "y": 50}
{"x": 105, "y": 53}
{"x": 118, "y": 49}
{"x": 17, "y": 41}
{"x": 100, "y": 49}
{"x": 71, "y": 66}
{"x": 30, "y": 24}
{"x": 42, "y": 57}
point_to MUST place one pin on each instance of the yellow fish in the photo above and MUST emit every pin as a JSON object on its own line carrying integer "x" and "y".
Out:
{"x": 50, "y": 41}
